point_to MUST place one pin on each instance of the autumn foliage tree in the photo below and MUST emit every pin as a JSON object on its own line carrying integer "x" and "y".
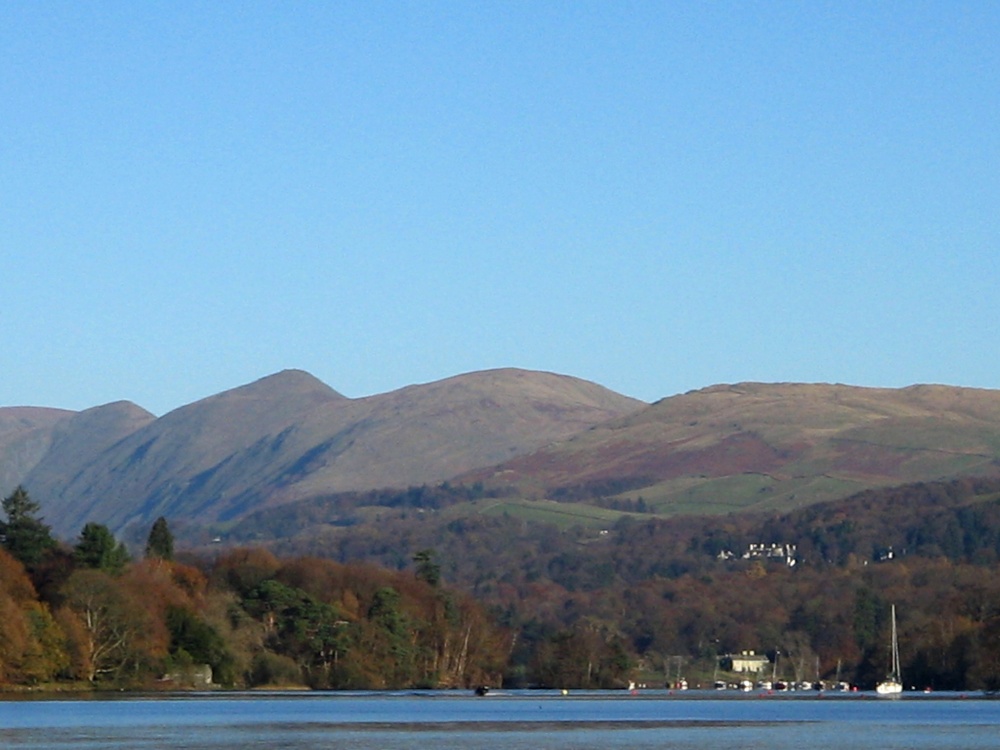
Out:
{"x": 115, "y": 633}
{"x": 31, "y": 644}
{"x": 526, "y": 603}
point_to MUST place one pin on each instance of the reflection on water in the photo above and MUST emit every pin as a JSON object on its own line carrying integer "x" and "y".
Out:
{"x": 577, "y": 738}
{"x": 536, "y": 720}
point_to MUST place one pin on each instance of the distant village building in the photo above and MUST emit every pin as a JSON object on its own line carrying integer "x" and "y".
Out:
{"x": 745, "y": 661}
{"x": 785, "y": 553}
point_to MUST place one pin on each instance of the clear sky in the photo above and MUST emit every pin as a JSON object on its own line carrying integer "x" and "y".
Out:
{"x": 656, "y": 196}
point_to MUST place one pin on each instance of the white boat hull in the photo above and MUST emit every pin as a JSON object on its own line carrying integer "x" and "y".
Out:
{"x": 888, "y": 688}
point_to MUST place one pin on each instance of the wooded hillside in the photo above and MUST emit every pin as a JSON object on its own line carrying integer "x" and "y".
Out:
{"x": 493, "y": 599}
{"x": 686, "y": 590}
{"x": 89, "y": 615}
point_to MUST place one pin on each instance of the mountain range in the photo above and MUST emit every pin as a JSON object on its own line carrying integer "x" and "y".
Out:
{"x": 280, "y": 439}
{"x": 523, "y": 434}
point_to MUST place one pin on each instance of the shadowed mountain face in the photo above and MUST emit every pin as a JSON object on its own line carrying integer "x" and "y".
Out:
{"x": 25, "y": 437}
{"x": 768, "y": 446}
{"x": 288, "y": 436}
{"x": 75, "y": 442}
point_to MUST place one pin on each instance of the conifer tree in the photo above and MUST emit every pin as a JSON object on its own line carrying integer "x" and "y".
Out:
{"x": 23, "y": 534}
{"x": 427, "y": 568}
{"x": 99, "y": 549}
{"x": 160, "y": 543}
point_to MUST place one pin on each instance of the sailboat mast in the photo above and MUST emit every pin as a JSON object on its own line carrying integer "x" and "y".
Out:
{"x": 893, "y": 684}
{"x": 895, "y": 647}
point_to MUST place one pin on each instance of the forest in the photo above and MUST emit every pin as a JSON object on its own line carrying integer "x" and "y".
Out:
{"x": 419, "y": 602}
{"x": 89, "y": 615}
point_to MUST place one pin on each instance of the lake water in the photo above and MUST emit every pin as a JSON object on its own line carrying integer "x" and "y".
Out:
{"x": 528, "y": 720}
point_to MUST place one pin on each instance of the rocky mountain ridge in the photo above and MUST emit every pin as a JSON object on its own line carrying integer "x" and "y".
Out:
{"x": 533, "y": 436}
{"x": 281, "y": 438}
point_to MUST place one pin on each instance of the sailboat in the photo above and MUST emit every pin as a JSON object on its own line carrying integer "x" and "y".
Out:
{"x": 892, "y": 684}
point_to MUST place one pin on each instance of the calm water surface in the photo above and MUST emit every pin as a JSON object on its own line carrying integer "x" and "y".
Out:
{"x": 532, "y": 719}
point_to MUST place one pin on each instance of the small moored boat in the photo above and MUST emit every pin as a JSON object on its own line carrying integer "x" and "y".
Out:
{"x": 893, "y": 683}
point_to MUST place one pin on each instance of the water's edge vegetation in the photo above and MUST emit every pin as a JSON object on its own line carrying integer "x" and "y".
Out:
{"x": 650, "y": 603}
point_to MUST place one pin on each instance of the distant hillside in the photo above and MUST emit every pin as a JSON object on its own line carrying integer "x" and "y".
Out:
{"x": 75, "y": 442}
{"x": 765, "y": 446}
{"x": 956, "y": 519}
{"x": 25, "y": 438}
{"x": 288, "y": 436}
{"x": 557, "y": 449}
{"x": 717, "y": 451}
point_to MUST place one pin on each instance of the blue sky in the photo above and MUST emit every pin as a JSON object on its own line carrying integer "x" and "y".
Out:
{"x": 655, "y": 196}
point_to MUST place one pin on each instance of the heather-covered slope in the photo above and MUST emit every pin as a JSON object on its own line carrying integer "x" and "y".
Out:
{"x": 767, "y": 446}
{"x": 429, "y": 433}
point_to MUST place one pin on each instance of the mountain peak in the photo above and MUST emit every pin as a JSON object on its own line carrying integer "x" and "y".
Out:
{"x": 286, "y": 381}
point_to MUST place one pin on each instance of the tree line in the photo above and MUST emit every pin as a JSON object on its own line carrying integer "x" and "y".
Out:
{"x": 430, "y": 600}
{"x": 89, "y": 614}
{"x": 593, "y": 607}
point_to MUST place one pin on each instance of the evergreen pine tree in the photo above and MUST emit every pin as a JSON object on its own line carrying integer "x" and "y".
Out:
{"x": 98, "y": 549}
{"x": 23, "y": 534}
{"x": 160, "y": 543}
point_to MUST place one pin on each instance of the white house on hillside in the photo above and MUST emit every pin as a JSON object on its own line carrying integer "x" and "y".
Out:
{"x": 747, "y": 661}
